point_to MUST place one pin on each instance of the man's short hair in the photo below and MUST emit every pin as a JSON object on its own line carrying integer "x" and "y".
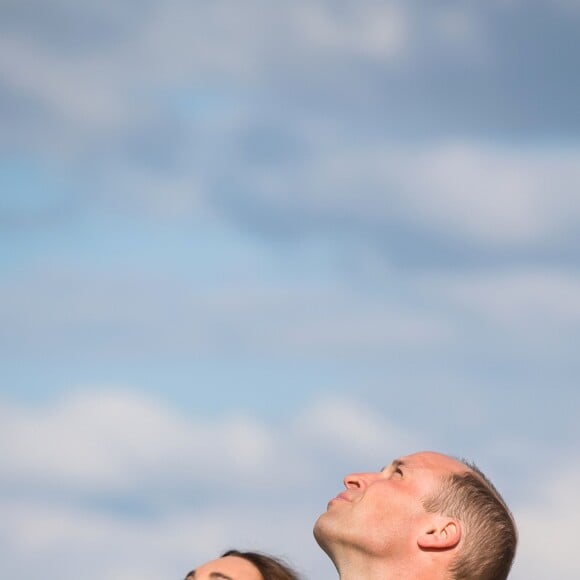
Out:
{"x": 490, "y": 538}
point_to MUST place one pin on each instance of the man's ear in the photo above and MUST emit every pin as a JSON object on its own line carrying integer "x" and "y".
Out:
{"x": 443, "y": 534}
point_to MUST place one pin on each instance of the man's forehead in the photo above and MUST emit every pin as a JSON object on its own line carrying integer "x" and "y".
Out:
{"x": 432, "y": 461}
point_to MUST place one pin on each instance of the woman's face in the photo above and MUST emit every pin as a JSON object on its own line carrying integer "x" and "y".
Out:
{"x": 226, "y": 568}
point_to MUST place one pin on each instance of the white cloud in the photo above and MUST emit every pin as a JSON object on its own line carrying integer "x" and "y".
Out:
{"x": 109, "y": 441}
{"x": 58, "y": 459}
{"x": 272, "y": 483}
{"x": 371, "y": 30}
{"x": 548, "y": 525}
{"x": 461, "y": 29}
{"x": 518, "y": 299}
{"x": 493, "y": 195}
{"x": 176, "y": 316}
{"x": 314, "y": 320}
{"x": 92, "y": 89}
{"x": 353, "y": 429}
{"x": 72, "y": 541}
{"x": 490, "y": 196}
{"x": 89, "y": 99}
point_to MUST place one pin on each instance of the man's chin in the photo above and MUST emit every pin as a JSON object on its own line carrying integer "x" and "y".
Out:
{"x": 322, "y": 529}
{"x": 323, "y": 535}
{"x": 318, "y": 529}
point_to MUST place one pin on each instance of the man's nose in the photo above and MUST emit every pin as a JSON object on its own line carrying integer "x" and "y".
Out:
{"x": 359, "y": 480}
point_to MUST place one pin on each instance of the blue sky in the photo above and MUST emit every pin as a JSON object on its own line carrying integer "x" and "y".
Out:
{"x": 246, "y": 249}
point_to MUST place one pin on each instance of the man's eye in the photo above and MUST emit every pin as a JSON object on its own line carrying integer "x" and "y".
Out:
{"x": 399, "y": 471}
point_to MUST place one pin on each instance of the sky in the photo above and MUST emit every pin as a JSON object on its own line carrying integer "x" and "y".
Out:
{"x": 248, "y": 248}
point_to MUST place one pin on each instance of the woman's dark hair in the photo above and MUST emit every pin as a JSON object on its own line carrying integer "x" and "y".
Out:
{"x": 270, "y": 568}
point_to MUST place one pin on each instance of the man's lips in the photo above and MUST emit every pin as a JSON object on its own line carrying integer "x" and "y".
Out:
{"x": 340, "y": 497}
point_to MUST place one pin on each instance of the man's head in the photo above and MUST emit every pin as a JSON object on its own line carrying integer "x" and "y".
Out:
{"x": 425, "y": 514}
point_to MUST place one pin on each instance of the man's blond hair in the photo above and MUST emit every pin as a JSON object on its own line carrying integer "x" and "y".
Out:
{"x": 490, "y": 534}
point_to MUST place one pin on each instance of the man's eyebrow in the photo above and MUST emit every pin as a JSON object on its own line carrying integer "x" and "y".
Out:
{"x": 396, "y": 463}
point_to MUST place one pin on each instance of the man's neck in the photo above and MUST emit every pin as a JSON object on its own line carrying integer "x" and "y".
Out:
{"x": 365, "y": 568}
{"x": 388, "y": 574}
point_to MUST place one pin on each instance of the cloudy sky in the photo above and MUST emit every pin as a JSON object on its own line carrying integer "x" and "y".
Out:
{"x": 249, "y": 247}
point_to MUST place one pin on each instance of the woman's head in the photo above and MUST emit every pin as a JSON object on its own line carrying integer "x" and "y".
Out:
{"x": 236, "y": 565}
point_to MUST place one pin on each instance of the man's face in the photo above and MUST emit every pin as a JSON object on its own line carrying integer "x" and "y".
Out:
{"x": 226, "y": 568}
{"x": 382, "y": 513}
